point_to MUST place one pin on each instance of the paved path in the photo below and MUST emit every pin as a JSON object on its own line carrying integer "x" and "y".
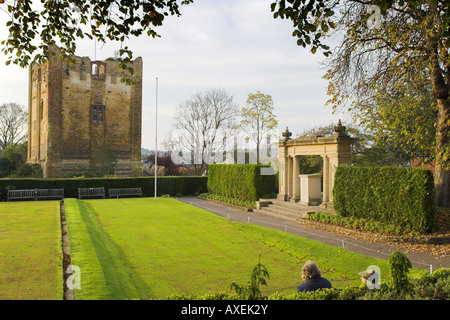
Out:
{"x": 373, "y": 249}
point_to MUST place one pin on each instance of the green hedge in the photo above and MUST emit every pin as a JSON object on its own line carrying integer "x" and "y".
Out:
{"x": 240, "y": 181}
{"x": 401, "y": 196}
{"x": 166, "y": 185}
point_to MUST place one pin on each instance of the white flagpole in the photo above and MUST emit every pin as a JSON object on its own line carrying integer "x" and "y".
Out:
{"x": 156, "y": 135}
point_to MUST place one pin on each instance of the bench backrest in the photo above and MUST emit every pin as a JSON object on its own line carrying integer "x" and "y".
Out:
{"x": 124, "y": 190}
{"x": 50, "y": 192}
{"x": 22, "y": 193}
{"x": 91, "y": 191}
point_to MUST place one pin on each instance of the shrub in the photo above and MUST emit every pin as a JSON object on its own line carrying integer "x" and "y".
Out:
{"x": 251, "y": 290}
{"x": 402, "y": 196}
{"x": 435, "y": 286}
{"x": 240, "y": 181}
{"x": 399, "y": 266}
{"x": 24, "y": 170}
{"x": 29, "y": 170}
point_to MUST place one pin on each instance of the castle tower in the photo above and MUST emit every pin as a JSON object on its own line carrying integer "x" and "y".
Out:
{"x": 73, "y": 108}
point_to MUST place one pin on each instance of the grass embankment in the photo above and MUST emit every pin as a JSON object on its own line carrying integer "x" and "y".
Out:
{"x": 152, "y": 248}
{"x": 30, "y": 251}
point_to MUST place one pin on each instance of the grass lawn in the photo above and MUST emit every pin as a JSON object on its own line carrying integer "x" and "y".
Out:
{"x": 149, "y": 248}
{"x": 30, "y": 251}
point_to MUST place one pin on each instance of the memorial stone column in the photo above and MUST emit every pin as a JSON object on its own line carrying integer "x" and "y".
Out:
{"x": 295, "y": 179}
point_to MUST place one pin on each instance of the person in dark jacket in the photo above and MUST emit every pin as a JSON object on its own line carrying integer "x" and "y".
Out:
{"x": 313, "y": 278}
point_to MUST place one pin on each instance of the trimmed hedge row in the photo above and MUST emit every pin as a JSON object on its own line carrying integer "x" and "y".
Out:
{"x": 166, "y": 185}
{"x": 240, "y": 181}
{"x": 401, "y": 196}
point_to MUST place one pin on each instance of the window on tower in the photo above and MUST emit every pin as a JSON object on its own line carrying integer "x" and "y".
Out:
{"x": 98, "y": 70}
{"x": 98, "y": 114}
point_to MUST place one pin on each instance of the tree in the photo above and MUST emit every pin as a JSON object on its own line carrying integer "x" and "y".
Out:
{"x": 13, "y": 124}
{"x": 402, "y": 121}
{"x": 409, "y": 45}
{"x": 104, "y": 160}
{"x": 258, "y": 118}
{"x": 201, "y": 128}
{"x": 170, "y": 168}
{"x": 62, "y": 22}
{"x": 29, "y": 170}
{"x": 12, "y": 157}
{"x": 367, "y": 151}
{"x": 5, "y": 166}
{"x": 312, "y": 21}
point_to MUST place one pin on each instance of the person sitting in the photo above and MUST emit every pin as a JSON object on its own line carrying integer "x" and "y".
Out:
{"x": 313, "y": 278}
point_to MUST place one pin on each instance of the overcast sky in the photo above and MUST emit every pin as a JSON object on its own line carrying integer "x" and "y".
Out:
{"x": 236, "y": 45}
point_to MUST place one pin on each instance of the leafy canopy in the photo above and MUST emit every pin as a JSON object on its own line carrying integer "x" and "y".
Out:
{"x": 35, "y": 26}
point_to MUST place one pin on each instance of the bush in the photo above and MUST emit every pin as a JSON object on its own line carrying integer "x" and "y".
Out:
{"x": 240, "y": 181}
{"x": 24, "y": 170}
{"x": 251, "y": 290}
{"x": 29, "y": 170}
{"x": 237, "y": 202}
{"x": 399, "y": 267}
{"x": 402, "y": 196}
{"x": 166, "y": 185}
{"x": 6, "y": 166}
{"x": 435, "y": 286}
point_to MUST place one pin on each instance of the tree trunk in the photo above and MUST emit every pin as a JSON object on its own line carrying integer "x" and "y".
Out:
{"x": 441, "y": 173}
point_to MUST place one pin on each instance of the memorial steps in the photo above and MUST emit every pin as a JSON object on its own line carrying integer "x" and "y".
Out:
{"x": 284, "y": 209}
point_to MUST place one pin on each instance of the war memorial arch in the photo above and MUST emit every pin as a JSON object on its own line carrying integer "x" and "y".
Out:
{"x": 306, "y": 189}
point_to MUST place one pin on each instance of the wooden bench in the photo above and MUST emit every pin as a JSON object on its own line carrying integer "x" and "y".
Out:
{"x": 124, "y": 192}
{"x": 21, "y": 194}
{"x": 35, "y": 194}
{"x": 49, "y": 194}
{"x": 91, "y": 193}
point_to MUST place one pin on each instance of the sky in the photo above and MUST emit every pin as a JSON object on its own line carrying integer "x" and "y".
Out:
{"x": 235, "y": 45}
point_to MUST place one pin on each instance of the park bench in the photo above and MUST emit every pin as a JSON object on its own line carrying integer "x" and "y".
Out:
{"x": 35, "y": 194}
{"x": 21, "y": 194}
{"x": 49, "y": 194}
{"x": 91, "y": 193}
{"x": 124, "y": 192}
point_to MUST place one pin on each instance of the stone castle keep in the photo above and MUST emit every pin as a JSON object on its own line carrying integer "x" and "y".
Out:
{"x": 74, "y": 108}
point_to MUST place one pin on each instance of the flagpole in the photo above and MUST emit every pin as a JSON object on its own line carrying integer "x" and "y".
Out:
{"x": 156, "y": 136}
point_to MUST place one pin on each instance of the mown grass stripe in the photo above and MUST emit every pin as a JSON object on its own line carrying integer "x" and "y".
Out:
{"x": 30, "y": 251}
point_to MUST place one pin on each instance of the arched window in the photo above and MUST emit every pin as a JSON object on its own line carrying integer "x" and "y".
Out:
{"x": 95, "y": 69}
{"x": 98, "y": 70}
{"x": 101, "y": 70}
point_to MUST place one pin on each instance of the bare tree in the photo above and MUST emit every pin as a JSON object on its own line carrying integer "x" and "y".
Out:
{"x": 13, "y": 124}
{"x": 201, "y": 128}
